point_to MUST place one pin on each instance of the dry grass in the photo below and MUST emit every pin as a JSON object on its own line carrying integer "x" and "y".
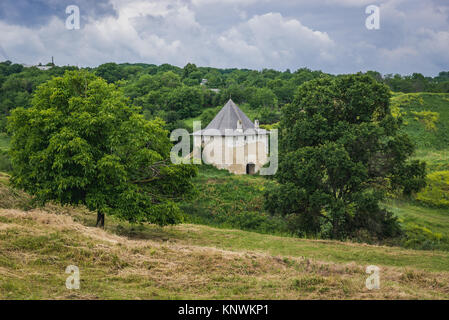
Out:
{"x": 36, "y": 246}
{"x": 10, "y": 197}
{"x": 192, "y": 261}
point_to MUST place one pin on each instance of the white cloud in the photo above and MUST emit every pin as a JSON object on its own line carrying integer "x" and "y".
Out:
{"x": 436, "y": 46}
{"x": 226, "y": 2}
{"x": 413, "y": 36}
{"x": 167, "y": 31}
{"x": 353, "y": 3}
{"x": 121, "y": 38}
{"x": 242, "y": 3}
{"x": 271, "y": 40}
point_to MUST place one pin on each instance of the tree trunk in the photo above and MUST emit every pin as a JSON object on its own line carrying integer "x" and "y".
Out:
{"x": 100, "y": 220}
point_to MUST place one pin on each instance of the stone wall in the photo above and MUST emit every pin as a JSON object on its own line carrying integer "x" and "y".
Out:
{"x": 235, "y": 152}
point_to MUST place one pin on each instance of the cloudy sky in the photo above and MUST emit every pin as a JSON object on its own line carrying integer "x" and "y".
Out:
{"x": 329, "y": 35}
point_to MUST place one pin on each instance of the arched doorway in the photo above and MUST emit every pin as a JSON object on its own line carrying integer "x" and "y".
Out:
{"x": 250, "y": 168}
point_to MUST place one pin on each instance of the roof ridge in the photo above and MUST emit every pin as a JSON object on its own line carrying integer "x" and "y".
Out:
{"x": 234, "y": 107}
{"x": 219, "y": 119}
{"x": 228, "y": 118}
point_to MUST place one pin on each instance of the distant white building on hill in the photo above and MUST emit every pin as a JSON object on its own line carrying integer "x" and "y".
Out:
{"x": 233, "y": 142}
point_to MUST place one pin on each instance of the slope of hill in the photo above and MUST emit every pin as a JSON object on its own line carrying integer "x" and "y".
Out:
{"x": 196, "y": 262}
{"x": 231, "y": 201}
{"x": 227, "y": 200}
{"x": 426, "y": 119}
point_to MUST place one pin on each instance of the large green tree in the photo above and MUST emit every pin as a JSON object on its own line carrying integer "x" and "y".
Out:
{"x": 82, "y": 143}
{"x": 185, "y": 101}
{"x": 263, "y": 97}
{"x": 340, "y": 150}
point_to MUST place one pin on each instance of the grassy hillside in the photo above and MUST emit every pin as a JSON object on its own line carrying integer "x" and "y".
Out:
{"x": 195, "y": 262}
{"x": 426, "y": 121}
{"x": 226, "y": 200}
{"x": 231, "y": 201}
{"x": 434, "y": 218}
{"x": 415, "y": 108}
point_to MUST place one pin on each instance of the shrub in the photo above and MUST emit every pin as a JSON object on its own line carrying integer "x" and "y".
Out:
{"x": 422, "y": 238}
{"x": 231, "y": 201}
{"x": 339, "y": 146}
{"x": 11, "y": 198}
{"x": 5, "y": 161}
{"x": 428, "y": 118}
{"x": 436, "y": 193}
{"x": 269, "y": 116}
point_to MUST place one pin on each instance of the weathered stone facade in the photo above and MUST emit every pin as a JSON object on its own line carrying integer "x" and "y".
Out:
{"x": 232, "y": 142}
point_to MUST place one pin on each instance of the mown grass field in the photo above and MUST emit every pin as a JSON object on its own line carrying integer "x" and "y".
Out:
{"x": 196, "y": 262}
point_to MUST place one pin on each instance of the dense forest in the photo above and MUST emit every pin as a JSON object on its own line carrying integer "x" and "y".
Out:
{"x": 176, "y": 94}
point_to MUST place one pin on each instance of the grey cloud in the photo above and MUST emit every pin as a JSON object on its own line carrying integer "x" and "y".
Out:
{"x": 324, "y": 34}
{"x": 34, "y": 13}
{"x": 3, "y": 55}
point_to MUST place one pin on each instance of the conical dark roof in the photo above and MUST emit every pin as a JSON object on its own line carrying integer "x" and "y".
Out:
{"x": 228, "y": 117}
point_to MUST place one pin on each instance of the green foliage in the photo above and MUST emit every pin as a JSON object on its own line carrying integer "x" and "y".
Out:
{"x": 109, "y": 72}
{"x": 340, "y": 148}
{"x": 190, "y": 71}
{"x": 427, "y": 132}
{"x": 81, "y": 143}
{"x": 113, "y": 72}
{"x": 230, "y": 201}
{"x": 5, "y": 161}
{"x": 436, "y": 193}
{"x": 428, "y": 118}
{"x": 284, "y": 90}
{"x": 149, "y": 86}
{"x": 17, "y": 85}
{"x": 263, "y": 98}
{"x": 164, "y": 95}
{"x": 207, "y": 116}
{"x": 185, "y": 101}
{"x": 417, "y": 219}
{"x": 170, "y": 79}
{"x": 436, "y": 160}
{"x": 4, "y": 141}
{"x": 238, "y": 92}
{"x": 421, "y": 238}
{"x": 268, "y": 116}
{"x": 415, "y": 82}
